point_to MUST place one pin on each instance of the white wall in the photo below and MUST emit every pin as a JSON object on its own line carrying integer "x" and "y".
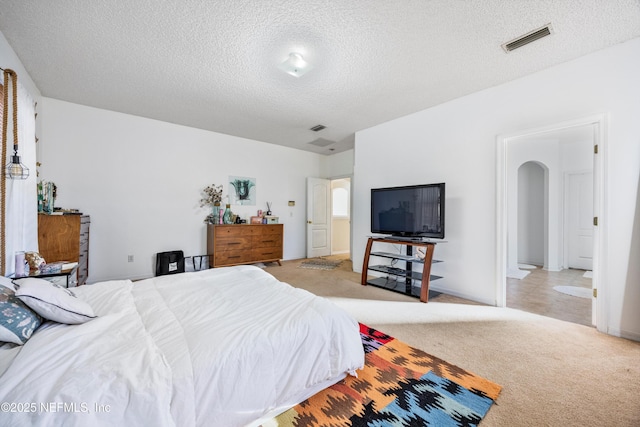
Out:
{"x": 140, "y": 180}
{"x": 337, "y": 165}
{"x": 531, "y": 214}
{"x": 456, "y": 143}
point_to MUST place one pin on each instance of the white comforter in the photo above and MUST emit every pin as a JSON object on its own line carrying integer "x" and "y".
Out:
{"x": 217, "y": 347}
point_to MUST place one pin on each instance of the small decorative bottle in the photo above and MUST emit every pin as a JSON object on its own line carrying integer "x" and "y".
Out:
{"x": 227, "y": 215}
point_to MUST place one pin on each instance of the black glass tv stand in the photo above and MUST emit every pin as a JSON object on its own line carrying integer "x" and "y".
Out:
{"x": 401, "y": 279}
{"x": 406, "y": 238}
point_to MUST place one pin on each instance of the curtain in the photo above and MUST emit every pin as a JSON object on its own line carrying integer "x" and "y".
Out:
{"x": 21, "y": 220}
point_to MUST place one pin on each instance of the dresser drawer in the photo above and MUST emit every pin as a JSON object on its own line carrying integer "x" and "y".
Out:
{"x": 84, "y": 238}
{"x": 223, "y": 231}
{"x": 271, "y": 253}
{"x": 83, "y": 258}
{"x": 267, "y": 230}
{"x": 83, "y": 273}
{"x": 232, "y": 257}
{"x": 232, "y": 243}
{"x": 84, "y": 247}
{"x": 267, "y": 241}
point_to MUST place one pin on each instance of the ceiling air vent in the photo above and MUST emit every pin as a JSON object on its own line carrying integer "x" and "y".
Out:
{"x": 318, "y": 128}
{"x": 321, "y": 142}
{"x": 527, "y": 38}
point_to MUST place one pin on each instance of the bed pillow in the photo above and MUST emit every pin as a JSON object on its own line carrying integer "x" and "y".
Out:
{"x": 53, "y": 302}
{"x": 7, "y": 283}
{"x": 17, "y": 320}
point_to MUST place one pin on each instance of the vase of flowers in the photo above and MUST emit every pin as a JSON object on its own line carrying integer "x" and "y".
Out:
{"x": 212, "y": 196}
{"x": 215, "y": 214}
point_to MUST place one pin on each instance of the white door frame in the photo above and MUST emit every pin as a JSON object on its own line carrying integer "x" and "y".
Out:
{"x": 600, "y": 312}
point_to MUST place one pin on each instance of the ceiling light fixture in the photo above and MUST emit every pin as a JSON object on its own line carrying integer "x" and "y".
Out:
{"x": 295, "y": 65}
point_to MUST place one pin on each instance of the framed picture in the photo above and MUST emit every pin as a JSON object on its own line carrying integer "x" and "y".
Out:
{"x": 242, "y": 191}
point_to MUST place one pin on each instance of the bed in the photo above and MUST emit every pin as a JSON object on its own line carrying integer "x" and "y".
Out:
{"x": 227, "y": 346}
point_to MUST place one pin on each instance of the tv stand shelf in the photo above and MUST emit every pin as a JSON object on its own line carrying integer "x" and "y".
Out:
{"x": 404, "y": 277}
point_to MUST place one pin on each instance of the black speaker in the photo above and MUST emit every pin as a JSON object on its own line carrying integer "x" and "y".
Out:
{"x": 171, "y": 262}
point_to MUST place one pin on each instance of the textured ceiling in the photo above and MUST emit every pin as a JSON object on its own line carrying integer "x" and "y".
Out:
{"x": 214, "y": 64}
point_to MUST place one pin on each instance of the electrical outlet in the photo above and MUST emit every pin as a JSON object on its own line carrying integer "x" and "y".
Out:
{"x": 130, "y": 258}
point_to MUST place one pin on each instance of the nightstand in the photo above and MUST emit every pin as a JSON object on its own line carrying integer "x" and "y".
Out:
{"x": 66, "y": 278}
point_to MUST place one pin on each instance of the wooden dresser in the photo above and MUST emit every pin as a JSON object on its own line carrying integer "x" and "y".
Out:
{"x": 235, "y": 244}
{"x": 65, "y": 238}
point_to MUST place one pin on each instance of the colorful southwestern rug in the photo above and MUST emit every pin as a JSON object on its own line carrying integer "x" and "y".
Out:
{"x": 399, "y": 386}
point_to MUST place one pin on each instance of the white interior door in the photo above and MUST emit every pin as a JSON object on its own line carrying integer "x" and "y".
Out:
{"x": 580, "y": 206}
{"x": 318, "y": 217}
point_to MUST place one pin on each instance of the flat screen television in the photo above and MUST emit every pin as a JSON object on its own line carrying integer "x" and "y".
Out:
{"x": 410, "y": 211}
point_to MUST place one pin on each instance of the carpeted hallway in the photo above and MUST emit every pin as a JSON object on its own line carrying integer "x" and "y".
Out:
{"x": 553, "y": 373}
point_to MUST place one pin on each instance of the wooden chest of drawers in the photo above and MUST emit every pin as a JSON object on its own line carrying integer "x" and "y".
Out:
{"x": 65, "y": 238}
{"x": 235, "y": 244}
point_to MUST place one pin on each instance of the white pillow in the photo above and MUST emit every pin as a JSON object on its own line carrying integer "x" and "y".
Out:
{"x": 53, "y": 302}
{"x": 6, "y": 282}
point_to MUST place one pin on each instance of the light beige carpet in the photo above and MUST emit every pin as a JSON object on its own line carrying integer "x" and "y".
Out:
{"x": 553, "y": 373}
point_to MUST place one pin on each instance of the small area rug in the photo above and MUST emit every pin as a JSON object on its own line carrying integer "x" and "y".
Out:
{"x": 399, "y": 386}
{"x": 320, "y": 264}
{"x": 517, "y": 273}
{"x": 576, "y": 291}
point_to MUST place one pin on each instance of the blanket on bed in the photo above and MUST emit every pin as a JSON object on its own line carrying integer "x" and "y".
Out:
{"x": 220, "y": 347}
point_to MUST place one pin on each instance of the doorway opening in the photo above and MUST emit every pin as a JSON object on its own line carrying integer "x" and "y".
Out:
{"x": 549, "y": 191}
{"x": 564, "y": 294}
{"x": 341, "y": 217}
{"x": 329, "y": 217}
